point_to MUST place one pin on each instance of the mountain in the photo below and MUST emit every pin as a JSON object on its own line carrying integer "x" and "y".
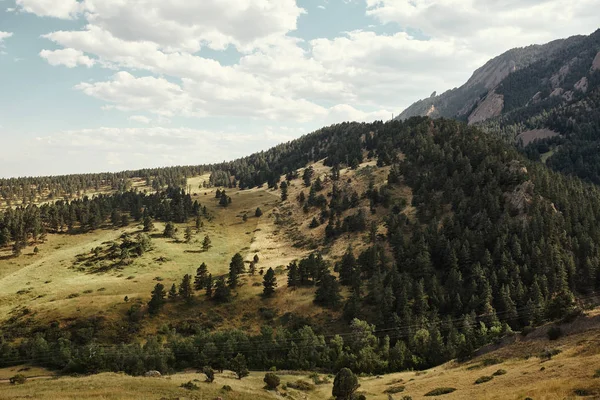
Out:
{"x": 549, "y": 93}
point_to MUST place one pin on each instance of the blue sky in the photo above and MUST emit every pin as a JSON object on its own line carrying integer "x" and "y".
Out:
{"x": 107, "y": 85}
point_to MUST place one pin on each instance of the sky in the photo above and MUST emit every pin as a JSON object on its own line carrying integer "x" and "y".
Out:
{"x": 109, "y": 85}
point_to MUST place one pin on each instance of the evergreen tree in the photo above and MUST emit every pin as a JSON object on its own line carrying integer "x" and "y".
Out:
{"x": 157, "y": 301}
{"x": 307, "y": 175}
{"x": 239, "y": 366}
{"x": 328, "y": 292}
{"x": 222, "y": 293}
{"x": 185, "y": 288}
{"x": 173, "y": 292}
{"x": 269, "y": 283}
{"x": 198, "y": 223}
{"x": 258, "y": 213}
{"x": 284, "y": 190}
{"x": 148, "y": 224}
{"x": 188, "y": 234}
{"x": 206, "y": 243}
{"x": 344, "y": 385}
{"x": 293, "y": 276}
{"x": 170, "y": 230}
{"x": 201, "y": 277}
{"x": 209, "y": 286}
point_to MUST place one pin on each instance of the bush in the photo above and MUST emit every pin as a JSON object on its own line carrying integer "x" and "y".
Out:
{"x": 499, "y": 372}
{"x": 583, "y": 392}
{"x": 406, "y": 398}
{"x": 226, "y": 388}
{"x": 190, "y": 386}
{"x": 483, "y": 379}
{"x": 344, "y": 384}
{"x": 597, "y": 373}
{"x": 301, "y": 385}
{"x": 271, "y": 380}
{"x": 554, "y": 332}
{"x": 440, "y": 391}
{"x": 210, "y": 374}
{"x": 18, "y": 379}
{"x": 548, "y": 354}
{"x": 395, "y": 389}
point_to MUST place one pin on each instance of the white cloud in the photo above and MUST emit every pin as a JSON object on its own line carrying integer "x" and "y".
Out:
{"x": 490, "y": 26}
{"x": 4, "y": 35}
{"x": 140, "y": 118}
{"x": 68, "y": 57}
{"x": 64, "y": 9}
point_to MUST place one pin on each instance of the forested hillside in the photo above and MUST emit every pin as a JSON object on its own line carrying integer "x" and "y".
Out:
{"x": 554, "y": 90}
{"x": 486, "y": 243}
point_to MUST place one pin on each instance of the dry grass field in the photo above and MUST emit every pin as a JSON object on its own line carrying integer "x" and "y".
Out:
{"x": 52, "y": 285}
{"x": 573, "y": 373}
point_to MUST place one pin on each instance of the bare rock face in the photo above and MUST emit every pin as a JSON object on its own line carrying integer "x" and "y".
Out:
{"x": 529, "y": 136}
{"x": 582, "y": 84}
{"x": 568, "y": 95}
{"x": 491, "y": 74}
{"x": 558, "y": 78}
{"x": 536, "y": 97}
{"x": 152, "y": 374}
{"x": 557, "y": 92}
{"x": 431, "y": 110}
{"x": 596, "y": 63}
{"x": 490, "y": 107}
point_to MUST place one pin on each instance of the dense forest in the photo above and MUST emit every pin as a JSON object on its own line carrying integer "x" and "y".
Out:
{"x": 498, "y": 244}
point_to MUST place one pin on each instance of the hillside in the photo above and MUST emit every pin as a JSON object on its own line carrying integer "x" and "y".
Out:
{"x": 547, "y": 92}
{"x": 380, "y": 247}
{"x": 530, "y": 366}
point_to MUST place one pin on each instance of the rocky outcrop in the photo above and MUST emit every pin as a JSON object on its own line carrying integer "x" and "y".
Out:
{"x": 557, "y": 92}
{"x": 581, "y": 84}
{"x": 536, "y": 98}
{"x": 596, "y": 63}
{"x": 520, "y": 197}
{"x": 152, "y": 374}
{"x": 490, "y": 107}
{"x": 568, "y": 95}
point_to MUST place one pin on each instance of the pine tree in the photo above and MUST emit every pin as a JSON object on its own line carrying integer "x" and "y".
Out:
{"x": 239, "y": 366}
{"x": 269, "y": 283}
{"x": 328, "y": 292}
{"x": 206, "y": 243}
{"x": 124, "y": 220}
{"x": 284, "y": 191}
{"x": 173, "y": 292}
{"x": 185, "y": 288}
{"x": 199, "y": 223}
{"x": 344, "y": 385}
{"x": 314, "y": 223}
{"x": 209, "y": 286}
{"x": 222, "y": 293}
{"x": 188, "y": 234}
{"x": 307, "y": 175}
{"x": 201, "y": 277}
{"x": 346, "y": 267}
{"x": 293, "y": 276}
{"x": 255, "y": 259}
{"x": 258, "y": 213}
{"x": 170, "y": 230}
{"x": 148, "y": 224}
{"x": 157, "y": 301}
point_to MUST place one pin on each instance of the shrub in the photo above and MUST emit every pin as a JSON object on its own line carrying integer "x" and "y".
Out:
{"x": 190, "y": 386}
{"x": 597, "y": 373}
{"x": 483, "y": 379}
{"x": 18, "y": 379}
{"x": 499, "y": 372}
{"x": 583, "y": 392}
{"x": 406, "y": 398}
{"x": 344, "y": 384}
{"x": 395, "y": 389}
{"x": 554, "y": 332}
{"x": 210, "y": 374}
{"x": 301, "y": 385}
{"x": 548, "y": 354}
{"x": 440, "y": 391}
{"x": 271, "y": 380}
{"x": 226, "y": 388}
